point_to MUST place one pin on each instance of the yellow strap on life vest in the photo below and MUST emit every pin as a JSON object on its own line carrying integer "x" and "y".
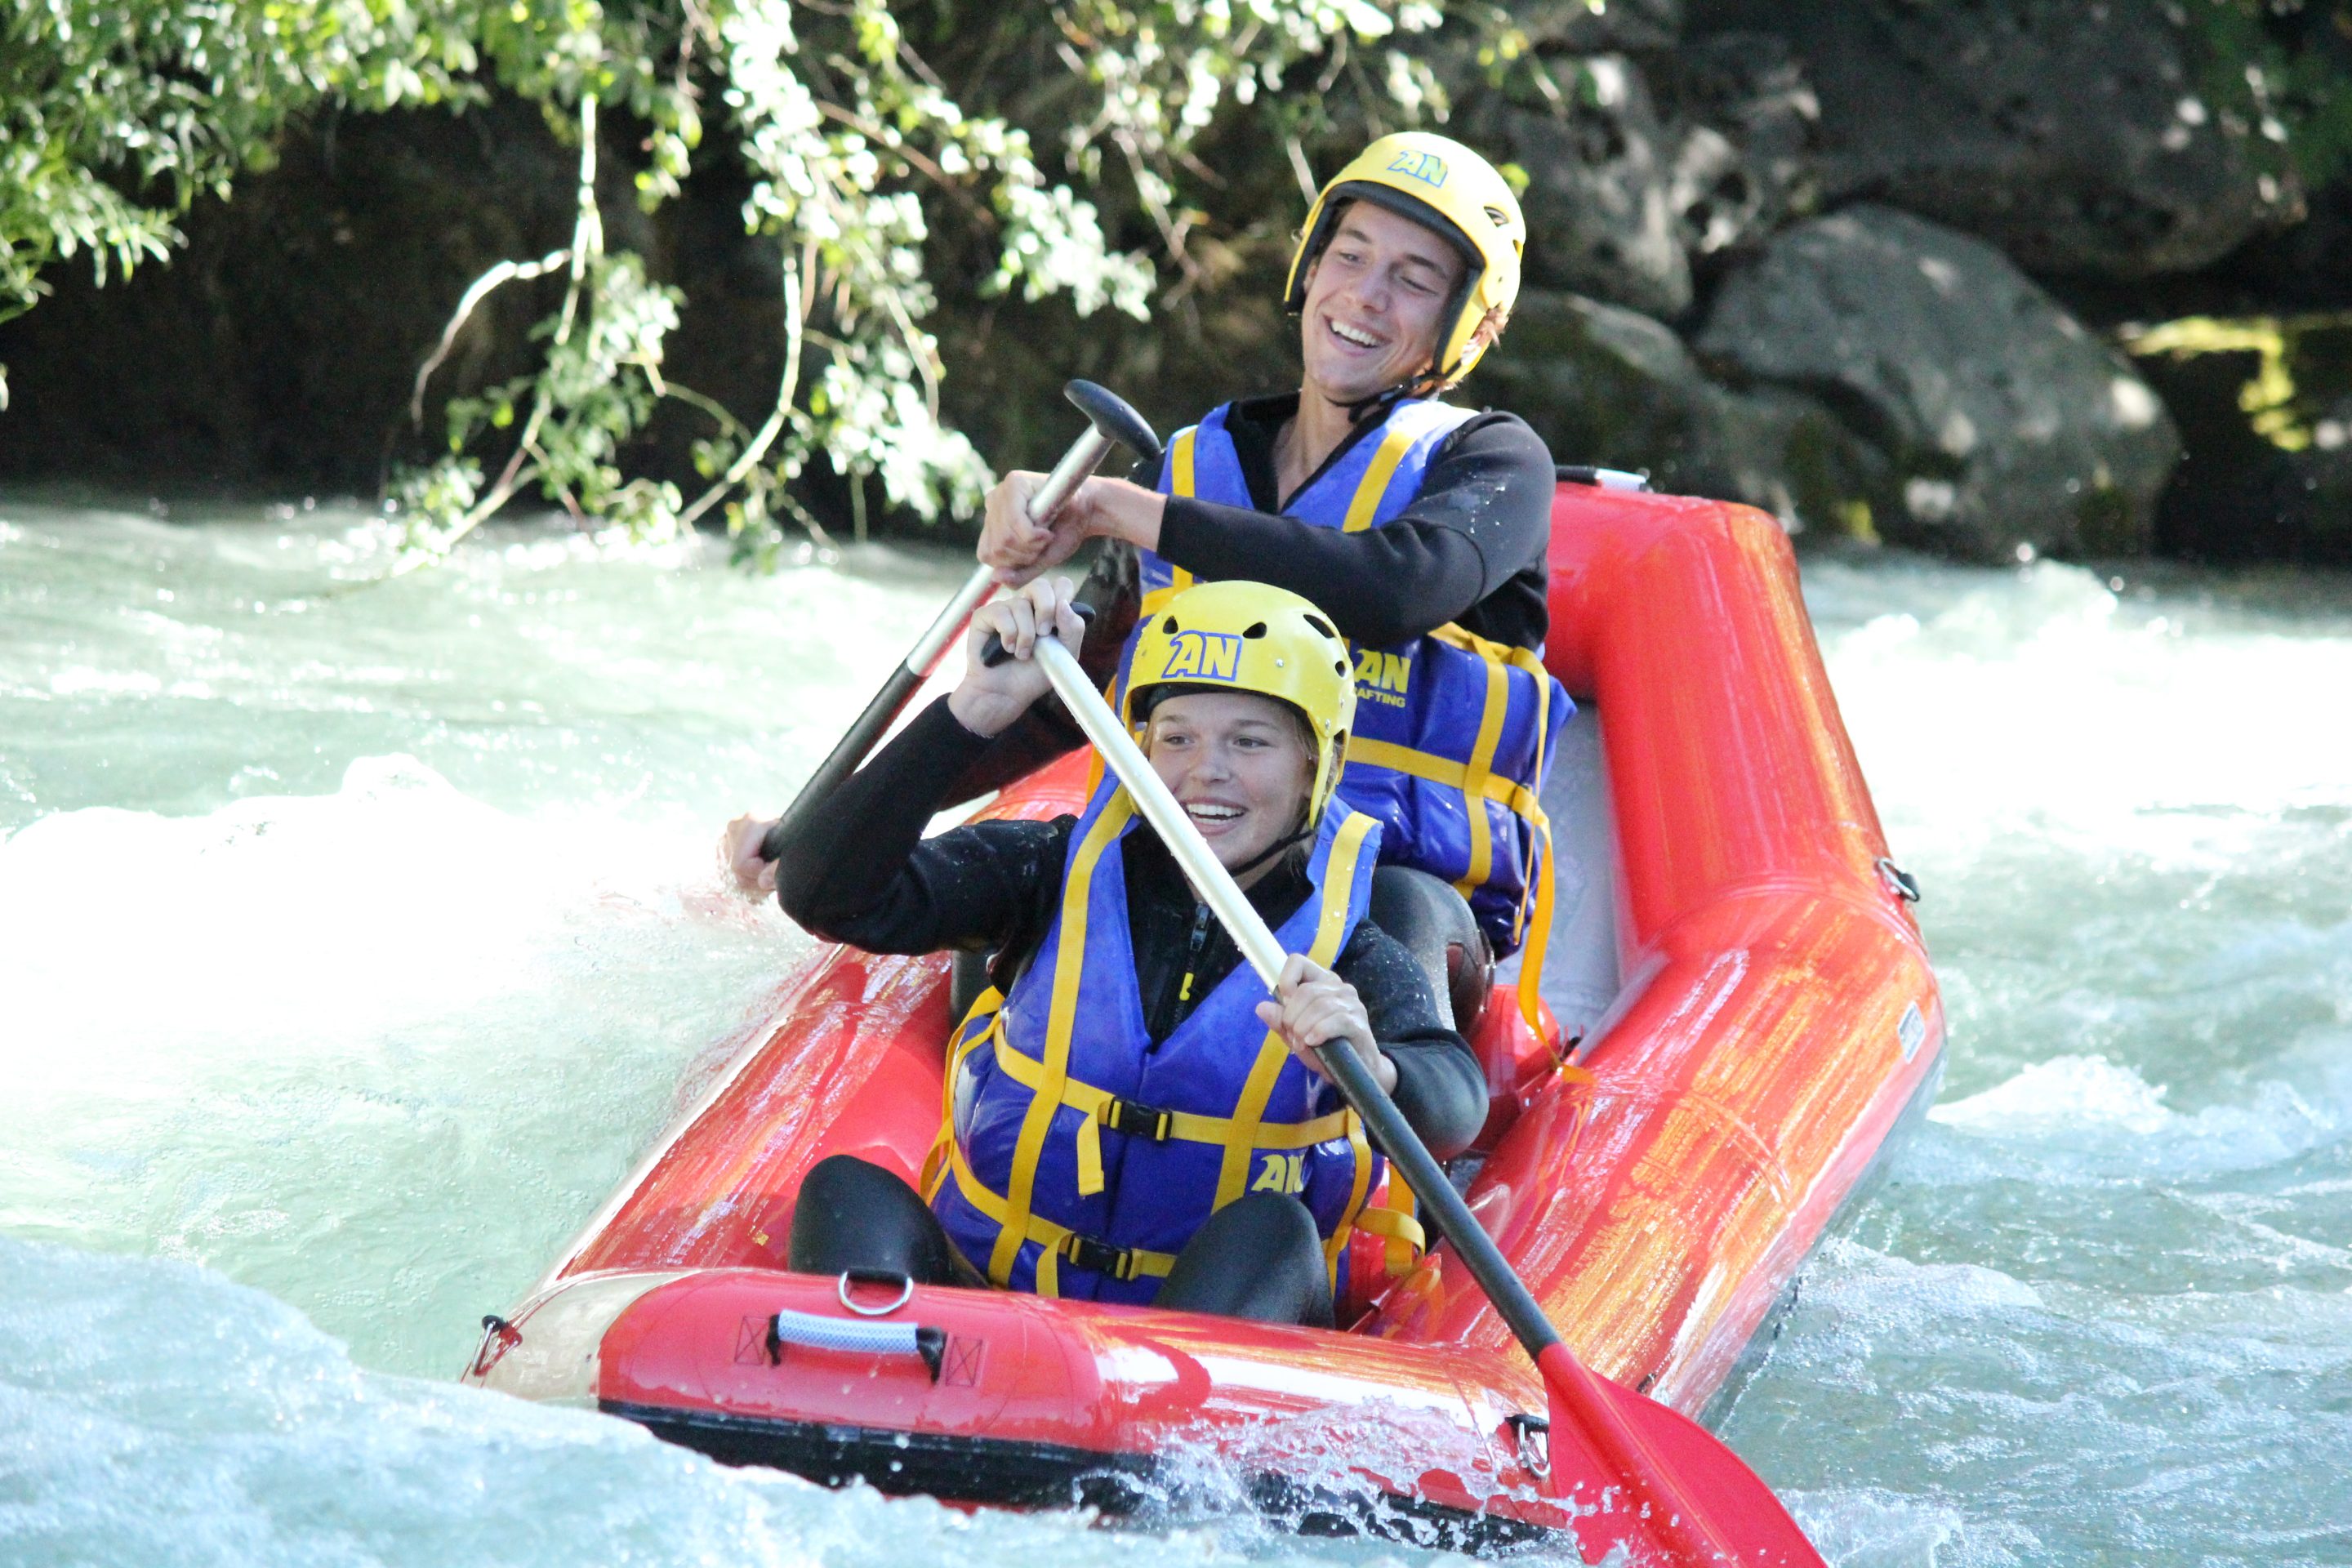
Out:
{"x": 1335, "y": 1247}
{"x": 1540, "y": 878}
{"x": 1091, "y": 1102}
{"x": 987, "y": 1004}
{"x": 1180, "y": 483}
{"x": 1331, "y": 930}
{"x": 1439, "y": 770}
{"x": 1538, "y": 939}
{"x": 1396, "y": 1219}
{"x": 1365, "y": 505}
{"x": 1069, "y": 964}
{"x": 1051, "y": 1238}
{"x": 1481, "y": 768}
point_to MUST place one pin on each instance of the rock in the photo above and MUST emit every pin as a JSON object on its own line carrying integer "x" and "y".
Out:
{"x": 1579, "y": 28}
{"x": 2072, "y": 135}
{"x": 1745, "y": 117}
{"x": 2007, "y": 423}
{"x": 1600, "y": 217}
{"x": 1628, "y": 186}
{"x": 1603, "y": 385}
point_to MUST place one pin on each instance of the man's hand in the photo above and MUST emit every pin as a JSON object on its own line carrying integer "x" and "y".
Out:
{"x": 1312, "y": 1006}
{"x": 1017, "y": 546}
{"x": 1021, "y": 548}
{"x": 738, "y": 851}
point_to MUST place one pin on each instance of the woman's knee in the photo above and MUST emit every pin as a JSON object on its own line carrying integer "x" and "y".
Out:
{"x": 1258, "y": 1257}
{"x": 852, "y": 1213}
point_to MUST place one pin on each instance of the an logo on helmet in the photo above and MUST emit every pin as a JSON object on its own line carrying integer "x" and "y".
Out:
{"x": 1426, "y": 167}
{"x": 1204, "y": 656}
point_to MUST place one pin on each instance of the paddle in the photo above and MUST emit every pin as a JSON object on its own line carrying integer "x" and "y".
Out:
{"x": 1680, "y": 1494}
{"x": 1109, "y": 422}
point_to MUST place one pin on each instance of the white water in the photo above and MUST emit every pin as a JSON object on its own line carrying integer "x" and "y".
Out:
{"x": 350, "y": 947}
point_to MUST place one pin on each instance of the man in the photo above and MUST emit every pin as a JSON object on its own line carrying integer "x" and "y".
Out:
{"x": 1422, "y": 529}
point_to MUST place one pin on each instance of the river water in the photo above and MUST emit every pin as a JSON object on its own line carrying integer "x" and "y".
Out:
{"x": 354, "y": 940}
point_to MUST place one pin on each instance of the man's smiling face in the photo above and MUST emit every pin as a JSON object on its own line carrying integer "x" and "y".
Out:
{"x": 1374, "y": 299}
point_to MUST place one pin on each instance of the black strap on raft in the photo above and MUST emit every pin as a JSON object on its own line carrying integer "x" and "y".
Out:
{"x": 1099, "y": 1256}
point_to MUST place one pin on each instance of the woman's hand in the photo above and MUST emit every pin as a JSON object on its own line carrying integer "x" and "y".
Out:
{"x": 987, "y": 700}
{"x": 1313, "y": 1006}
{"x": 738, "y": 851}
{"x": 1021, "y": 548}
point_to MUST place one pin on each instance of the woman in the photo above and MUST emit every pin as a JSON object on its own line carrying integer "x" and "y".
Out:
{"x": 1131, "y": 1116}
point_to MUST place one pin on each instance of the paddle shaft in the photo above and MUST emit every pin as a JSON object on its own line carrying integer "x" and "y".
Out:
{"x": 1080, "y": 460}
{"x": 1675, "y": 1517}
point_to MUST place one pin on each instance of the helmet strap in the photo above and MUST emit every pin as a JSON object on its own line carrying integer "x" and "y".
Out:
{"x": 1280, "y": 846}
{"x": 1427, "y": 383}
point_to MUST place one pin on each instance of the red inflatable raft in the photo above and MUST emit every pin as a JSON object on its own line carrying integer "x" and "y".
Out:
{"x": 1740, "y": 990}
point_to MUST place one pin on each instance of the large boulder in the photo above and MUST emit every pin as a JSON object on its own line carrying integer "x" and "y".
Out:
{"x": 1601, "y": 220}
{"x": 2008, "y": 425}
{"x": 1584, "y": 28}
{"x": 2074, "y": 136}
{"x": 1607, "y": 385}
{"x": 279, "y": 346}
{"x": 1643, "y": 168}
{"x": 1744, "y": 117}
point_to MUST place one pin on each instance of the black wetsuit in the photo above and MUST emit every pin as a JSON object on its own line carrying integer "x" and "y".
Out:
{"x": 856, "y": 870}
{"x": 1471, "y": 549}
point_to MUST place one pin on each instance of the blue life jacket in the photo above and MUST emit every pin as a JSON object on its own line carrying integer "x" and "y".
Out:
{"x": 1077, "y": 1155}
{"x": 1455, "y": 735}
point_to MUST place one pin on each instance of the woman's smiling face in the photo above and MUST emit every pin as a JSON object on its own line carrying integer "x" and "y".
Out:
{"x": 1238, "y": 764}
{"x": 1374, "y": 299}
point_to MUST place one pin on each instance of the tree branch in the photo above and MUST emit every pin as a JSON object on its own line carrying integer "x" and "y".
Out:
{"x": 785, "y": 393}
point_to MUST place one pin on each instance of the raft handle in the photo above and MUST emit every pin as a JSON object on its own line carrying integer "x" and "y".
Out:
{"x": 1533, "y": 1435}
{"x": 810, "y": 1332}
{"x": 1899, "y": 882}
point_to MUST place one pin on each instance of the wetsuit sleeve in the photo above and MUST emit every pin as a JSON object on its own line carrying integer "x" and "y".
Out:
{"x": 858, "y": 869}
{"x": 1047, "y": 731}
{"x": 1483, "y": 516}
{"x": 1441, "y": 1088}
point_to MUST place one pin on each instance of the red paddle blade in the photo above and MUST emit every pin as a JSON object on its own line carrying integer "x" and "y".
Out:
{"x": 1659, "y": 1483}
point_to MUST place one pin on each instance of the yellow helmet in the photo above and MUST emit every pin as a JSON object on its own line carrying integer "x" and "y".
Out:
{"x": 1249, "y": 636}
{"x": 1444, "y": 185}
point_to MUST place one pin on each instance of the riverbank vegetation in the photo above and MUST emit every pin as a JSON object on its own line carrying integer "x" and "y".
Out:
{"x": 938, "y": 209}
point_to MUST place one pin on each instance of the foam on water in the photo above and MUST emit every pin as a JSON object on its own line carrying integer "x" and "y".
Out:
{"x": 353, "y": 945}
{"x": 2099, "y": 1312}
{"x": 372, "y": 1050}
{"x": 157, "y": 1414}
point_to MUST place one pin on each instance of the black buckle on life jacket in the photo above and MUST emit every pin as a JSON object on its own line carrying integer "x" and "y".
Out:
{"x": 1138, "y": 1120}
{"x": 1099, "y": 1256}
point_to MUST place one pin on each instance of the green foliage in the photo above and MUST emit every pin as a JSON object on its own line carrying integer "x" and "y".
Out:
{"x": 869, "y": 166}
{"x": 114, "y": 114}
{"x": 2280, "y": 71}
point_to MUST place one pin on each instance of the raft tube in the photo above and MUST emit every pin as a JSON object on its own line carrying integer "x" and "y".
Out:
{"x": 1745, "y": 1014}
